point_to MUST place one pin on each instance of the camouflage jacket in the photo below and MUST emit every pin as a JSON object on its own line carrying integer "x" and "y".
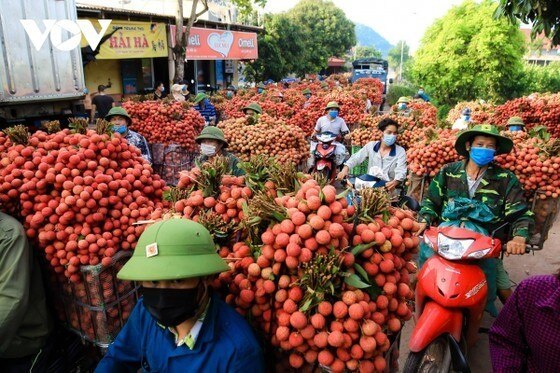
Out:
{"x": 499, "y": 189}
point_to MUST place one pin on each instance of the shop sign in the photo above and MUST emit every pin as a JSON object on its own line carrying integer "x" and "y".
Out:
{"x": 212, "y": 44}
{"x": 133, "y": 40}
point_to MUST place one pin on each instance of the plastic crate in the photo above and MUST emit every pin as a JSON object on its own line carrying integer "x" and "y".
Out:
{"x": 170, "y": 160}
{"x": 97, "y": 307}
{"x": 360, "y": 169}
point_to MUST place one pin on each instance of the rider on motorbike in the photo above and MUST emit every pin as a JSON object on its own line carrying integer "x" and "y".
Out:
{"x": 386, "y": 159}
{"x": 334, "y": 124}
{"x": 478, "y": 178}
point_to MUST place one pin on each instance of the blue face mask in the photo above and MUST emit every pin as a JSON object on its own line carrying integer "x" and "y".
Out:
{"x": 260, "y": 90}
{"x": 515, "y": 128}
{"x": 402, "y": 106}
{"x": 119, "y": 128}
{"x": 482, "y": 156}
{"x": 389, "y": 140}
{"x": 467, "y": 118}
{"x": 333, "y": 113}
{"x": 229, "y": 95}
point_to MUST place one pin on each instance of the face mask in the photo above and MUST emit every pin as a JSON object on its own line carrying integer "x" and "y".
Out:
{"x": 420, "y": 91}
{"x": 482, "y": 156}
{"x": 163, "y": 89}
{"x": 466, "y": 118}
{"x": 229, "y": 95}
{"x": 260, "y": 90}
{"x": 333, "y": 113}
{"x": 389, "y": 140}
{"x": 119, "y": 128}
{"x": 308, "y": 96}
{"x": 207, "y": 149}
{"x": 515, "y": 128}
{"x": 401, "y": 106}
{"x": 170, "y": 307}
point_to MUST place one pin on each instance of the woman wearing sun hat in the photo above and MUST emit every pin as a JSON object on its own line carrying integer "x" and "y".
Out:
{"x": 179, "y": 325}
{"x": 478, "y": 178}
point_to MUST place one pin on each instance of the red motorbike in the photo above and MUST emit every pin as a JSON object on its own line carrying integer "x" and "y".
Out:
{"x": 450, "y": 299}
{"x": 325, "y": 155}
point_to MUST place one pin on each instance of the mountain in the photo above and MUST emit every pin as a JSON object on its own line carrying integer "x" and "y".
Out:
{"x": 366, "y": 36}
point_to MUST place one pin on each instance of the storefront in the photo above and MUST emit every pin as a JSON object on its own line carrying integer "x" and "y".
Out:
{"x": 131, "y": 59}
{"x": 212, "y": 56}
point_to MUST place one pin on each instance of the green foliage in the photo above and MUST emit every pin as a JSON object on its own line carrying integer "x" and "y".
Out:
{"x": 542, "y": 78}
{"x": 544, "y": 15}
{"x": 279, "y": 49}
{"x": 468, "y": 54}
{"x": 327, "y": 32}
{"x": 399, "y": 90}
{"x": 395, "y": 54}
{"x": 367, "y": 52}
{"x": 301, "y": 40}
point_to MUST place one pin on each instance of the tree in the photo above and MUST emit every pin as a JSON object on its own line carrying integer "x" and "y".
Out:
{"x": 366, "y": 52}
{"x": 468, "y": 54}
{"x": 182, "y": 36}
{"x": 542, "y": 78}
{"x": 327, "y": 32}
{"x": 395, "y": 54}
{"x": 280, "y": 49}
{"x": 544, "y": 15}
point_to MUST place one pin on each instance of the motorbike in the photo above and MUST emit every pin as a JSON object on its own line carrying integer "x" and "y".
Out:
{"x": 369, "y": 181}
{"x": 450, "y": 299}
{"x": 325, "y": 155}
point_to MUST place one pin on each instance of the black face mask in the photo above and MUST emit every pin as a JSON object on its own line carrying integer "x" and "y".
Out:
{"x": 170, "y": 307}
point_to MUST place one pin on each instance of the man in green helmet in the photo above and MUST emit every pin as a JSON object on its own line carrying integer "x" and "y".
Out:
{"x": 479, "y": 179}
{"x": 120, "y": 120}
{"x": 213, "y": 142}
{"x": 253, "y": 110}
{"x": 515, "y": 124}
{"x": 205, "y": 108}
{"x": 179, "y": 325}
{"x": 402, "y": 106}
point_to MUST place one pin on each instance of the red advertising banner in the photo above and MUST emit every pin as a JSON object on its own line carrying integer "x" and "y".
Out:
{"x": 212, "y": 44}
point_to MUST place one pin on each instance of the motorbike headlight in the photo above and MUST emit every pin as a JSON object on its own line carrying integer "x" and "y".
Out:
{"x": 452, "y": 249}
{"x": 478, "y": 254}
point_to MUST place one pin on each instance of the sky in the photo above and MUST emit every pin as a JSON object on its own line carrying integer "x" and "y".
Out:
{"x": 394, "y": 19}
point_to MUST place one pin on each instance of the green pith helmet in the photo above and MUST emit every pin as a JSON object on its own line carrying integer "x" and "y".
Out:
{"x": 199, "y": 97}
{"x": 171, "y": 250}
{"x": 332, "y": 105}
{"x": 515, "y": 121}
{"x": 406, "y": 100}
{"x": 261, "y": 85}
{"x": 118, "y": 110}
{"x": 212, "y": 133}
{"x": 503, "y": 144}
{"x": 306, "y": 91}
{"x": 253, "y": 106}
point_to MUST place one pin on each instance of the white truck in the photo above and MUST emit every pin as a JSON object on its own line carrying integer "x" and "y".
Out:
{"x": 42, "y": 84}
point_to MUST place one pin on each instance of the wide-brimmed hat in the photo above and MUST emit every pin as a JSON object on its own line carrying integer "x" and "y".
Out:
{"x": 212, "y": 133}
{"x": 253, "y": 106}
{"x": 171, "y": 250}
{"x": 199, "y": 97}
{"x": 503, "y": 144}
{"x": 120, "y": 111}
{"x": 261, "y": 85}
{"x": 406, "y": 100}
{"x": 306, "y": 91}
{"x": 332, "y": 105}
{"x": 515, "y": 121}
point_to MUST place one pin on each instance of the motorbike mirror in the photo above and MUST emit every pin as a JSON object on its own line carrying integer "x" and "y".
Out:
{"x": 498, "y": 229}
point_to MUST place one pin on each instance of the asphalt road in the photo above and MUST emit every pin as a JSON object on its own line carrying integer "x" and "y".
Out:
{"x": 546, "y": 261}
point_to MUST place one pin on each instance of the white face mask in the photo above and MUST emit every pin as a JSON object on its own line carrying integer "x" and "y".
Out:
{"x": 207, "y": 149}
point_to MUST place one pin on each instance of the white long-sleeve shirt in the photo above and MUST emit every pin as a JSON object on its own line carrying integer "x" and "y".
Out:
{"x": 393, "y": 165}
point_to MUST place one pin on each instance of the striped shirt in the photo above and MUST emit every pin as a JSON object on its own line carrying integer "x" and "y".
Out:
{"x": 207, "y": 112}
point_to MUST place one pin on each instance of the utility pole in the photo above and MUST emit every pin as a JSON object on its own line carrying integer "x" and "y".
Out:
{"x": 400, "y": 65}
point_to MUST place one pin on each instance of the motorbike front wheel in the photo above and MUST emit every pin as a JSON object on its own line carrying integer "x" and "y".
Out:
{"x": 435, "y": 358}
